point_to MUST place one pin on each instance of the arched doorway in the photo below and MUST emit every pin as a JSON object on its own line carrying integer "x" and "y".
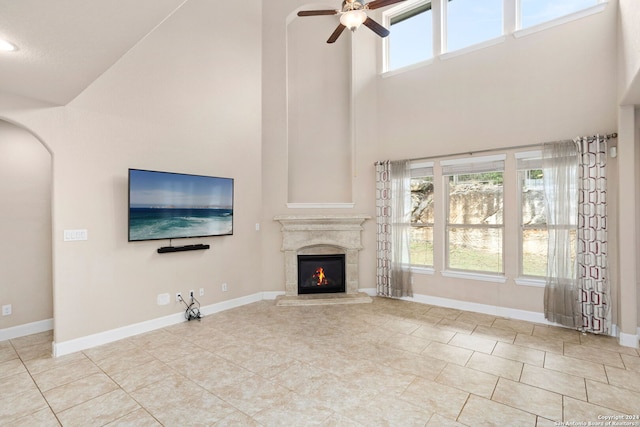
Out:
{"x": 26, "y": 291}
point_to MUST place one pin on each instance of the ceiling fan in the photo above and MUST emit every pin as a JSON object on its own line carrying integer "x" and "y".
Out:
{"x": 352, "y": 15}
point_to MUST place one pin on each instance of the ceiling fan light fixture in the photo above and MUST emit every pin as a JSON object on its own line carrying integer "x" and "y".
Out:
{"x": 353, "y": 19}
{"x": 5, "y": 46}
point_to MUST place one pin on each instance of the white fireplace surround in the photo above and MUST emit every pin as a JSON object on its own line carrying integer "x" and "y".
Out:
{"x": 320, "y": 235}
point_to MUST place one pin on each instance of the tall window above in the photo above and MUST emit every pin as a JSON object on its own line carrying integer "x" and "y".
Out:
{"x": 411, "y": 38}
{"x": 475, "y": 219}
{"x": 422, "y": 214}
{"x": 470, "y": 22}
{"x": 533, "y": 12}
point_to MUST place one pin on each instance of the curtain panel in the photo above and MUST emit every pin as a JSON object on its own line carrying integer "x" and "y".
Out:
{"x": 560, "y": 171}
{"x": 592, "y": 273}
{"x": 577, "y": 292}
{"x": 393, "y": 222}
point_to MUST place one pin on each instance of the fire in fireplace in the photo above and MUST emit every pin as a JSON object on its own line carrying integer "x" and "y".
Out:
{"x": 319, "y": 274}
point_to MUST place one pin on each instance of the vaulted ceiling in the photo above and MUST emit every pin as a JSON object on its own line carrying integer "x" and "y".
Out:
{"x": 64, "y": 45}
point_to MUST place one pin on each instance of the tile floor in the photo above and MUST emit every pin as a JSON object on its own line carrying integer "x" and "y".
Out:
{"x": 389, "y": 363}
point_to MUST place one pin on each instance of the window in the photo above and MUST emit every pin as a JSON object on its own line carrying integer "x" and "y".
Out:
{"x": 460, "y": 24}
{"x": 533, "y": 12}
{"x": 411, "y": 38}
{"x": 471, "y": 21}
{"x": 422, "y": 214}
{"x": 533, "y": 222}
{"x": 474, "y": 226}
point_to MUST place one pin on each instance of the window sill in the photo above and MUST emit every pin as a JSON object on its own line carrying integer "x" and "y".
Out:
{"x": 530, "y": 281}
{"x": 475, "y": 276}
{"x": 561, "y": 20}
{"x": 422, "y": 270}
{"x": 406, "y": 68}
{"x": 320, "y": 205}
{"x": 472, "y": 48}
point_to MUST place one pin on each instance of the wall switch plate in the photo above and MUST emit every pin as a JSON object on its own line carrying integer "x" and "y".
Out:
{"x": 201, "y": 292}
{"x": 75, "y": 235}
{"x": 163, "y": 299}
{"x": 6, "y": 310}
{"x": 225, "y": 288}
{"x": 257, "y": 226}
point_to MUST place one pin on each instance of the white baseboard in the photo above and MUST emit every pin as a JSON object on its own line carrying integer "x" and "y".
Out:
{"x": 494, "y": 310}
{"x": 272, "y": 295}
{"x": 26, "y": 329}
{"x": 83, "y": 343}
{"x": 628, "y": 340}
{"x": 625, "y": 340}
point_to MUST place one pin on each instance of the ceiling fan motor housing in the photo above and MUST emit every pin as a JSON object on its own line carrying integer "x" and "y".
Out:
{"x": 348, "y": 5}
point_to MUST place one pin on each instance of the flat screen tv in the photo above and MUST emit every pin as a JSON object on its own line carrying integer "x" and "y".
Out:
{"x": 167, "y": 205}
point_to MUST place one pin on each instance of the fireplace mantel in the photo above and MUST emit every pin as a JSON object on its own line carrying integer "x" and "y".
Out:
{"x": 306, "y": 234}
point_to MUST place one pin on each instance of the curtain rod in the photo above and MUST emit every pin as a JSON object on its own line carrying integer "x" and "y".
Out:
{"x": 514, "y": 147}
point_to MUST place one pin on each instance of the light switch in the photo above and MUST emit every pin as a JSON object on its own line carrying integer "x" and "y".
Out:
{"x": 75, "y": 235}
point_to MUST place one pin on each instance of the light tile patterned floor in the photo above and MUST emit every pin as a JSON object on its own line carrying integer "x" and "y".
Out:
{"x": 389, "y": 363}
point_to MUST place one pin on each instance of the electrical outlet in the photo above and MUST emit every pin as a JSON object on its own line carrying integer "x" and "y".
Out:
{"x": 178, "y": 296}
{"x": 201, "y": 292}
{"x": 225, "y": 288}
{"x": 6, "y": 310}
{"x": 163, "y": 299}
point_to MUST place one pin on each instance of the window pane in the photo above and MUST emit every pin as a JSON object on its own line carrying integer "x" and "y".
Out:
{"x": 537, "y": 11}
{"x": 422, "y": 246}
{"x": 476, "y": 198}
{"x": 411, "y": 38}
{"x": 477, "y": 249}
{"x": 422, "y": 200}
{"x": 534, "y": 252}
{"x": 472, "y": 21}
{"x": 422, "y": 215}
{"x": 534, "y": 223}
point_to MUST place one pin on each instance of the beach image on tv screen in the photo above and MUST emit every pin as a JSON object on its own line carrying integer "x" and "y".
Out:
{"x": 166, "y": 205}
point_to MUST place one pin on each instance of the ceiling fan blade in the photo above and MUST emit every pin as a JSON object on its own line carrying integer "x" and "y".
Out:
{"x": 376, "y": 4}
{"x": 376, "y": 28}
{"x": 336, "y": 33}
{"x": 317, "y": 12}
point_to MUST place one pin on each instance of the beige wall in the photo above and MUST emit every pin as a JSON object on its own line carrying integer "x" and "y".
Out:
{"x": 629, "y": 49}
{"x": 528, "y": 90}
{"x": 280, "y": 24}
{"x": 185, "y": 99}
{"x": 204, "y": 95}
{"x": 25, "y": 227}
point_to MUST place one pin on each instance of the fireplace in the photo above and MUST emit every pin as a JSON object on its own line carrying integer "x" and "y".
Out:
{"x": 321, "y": 274}
{"x": 330, "y": 237}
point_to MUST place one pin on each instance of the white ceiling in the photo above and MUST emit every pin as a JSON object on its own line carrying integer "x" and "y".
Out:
{"x": 64, "y": 45}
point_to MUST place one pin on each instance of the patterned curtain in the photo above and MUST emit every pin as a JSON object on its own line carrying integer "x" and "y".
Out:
{"x": 577, "y": 291}
{"x": 393, "y": 219}
{"x": 592, "y": 274}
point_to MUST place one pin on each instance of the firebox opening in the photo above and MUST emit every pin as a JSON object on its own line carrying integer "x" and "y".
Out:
{"x": 319, "y": 274}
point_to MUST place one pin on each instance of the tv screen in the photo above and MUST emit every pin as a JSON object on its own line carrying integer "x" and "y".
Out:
{"x": 166, "y": 205}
